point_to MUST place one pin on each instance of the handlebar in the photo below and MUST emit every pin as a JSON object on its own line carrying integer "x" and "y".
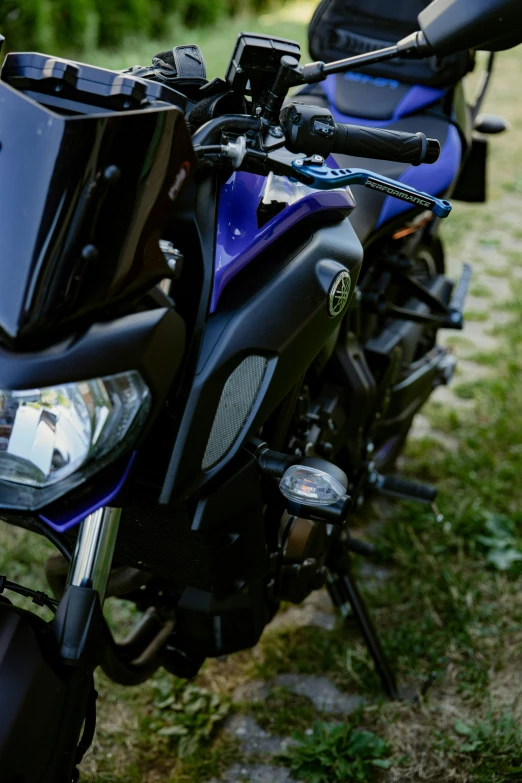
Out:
{"x": 313, "y": 130}
{"x": 302, "y": 129}
{"x": 380, "y": 144}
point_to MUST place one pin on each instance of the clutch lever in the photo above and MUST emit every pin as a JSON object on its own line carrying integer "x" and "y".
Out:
{"x": 314, "y": 172}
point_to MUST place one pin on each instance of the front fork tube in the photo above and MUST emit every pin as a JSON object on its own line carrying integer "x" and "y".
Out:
{"x": 92, "y": 561}
{"x": 80, "y": 633}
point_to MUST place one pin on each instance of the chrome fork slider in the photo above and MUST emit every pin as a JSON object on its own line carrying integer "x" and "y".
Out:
{"x": 92, "y": 560}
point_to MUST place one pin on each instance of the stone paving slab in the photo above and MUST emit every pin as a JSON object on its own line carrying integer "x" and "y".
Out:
{"x": 252, "y": 692}
{"x": 252, "y": 738}
{"x": 315, "y": 611}
{"x": 255, "y": 773}
{"x": 324, "y": 695}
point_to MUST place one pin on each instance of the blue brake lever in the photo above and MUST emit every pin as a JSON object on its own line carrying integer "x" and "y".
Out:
{"x": 321, "y": 177}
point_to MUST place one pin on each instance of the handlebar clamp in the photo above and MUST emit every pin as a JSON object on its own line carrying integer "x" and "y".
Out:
{"x": 308, "y": 129}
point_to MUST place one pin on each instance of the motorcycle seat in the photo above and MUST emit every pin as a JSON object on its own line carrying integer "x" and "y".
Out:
{"x": 382, "y": 103}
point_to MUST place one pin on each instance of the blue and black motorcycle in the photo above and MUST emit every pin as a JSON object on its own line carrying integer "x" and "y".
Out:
{"x": 202, "y": 372}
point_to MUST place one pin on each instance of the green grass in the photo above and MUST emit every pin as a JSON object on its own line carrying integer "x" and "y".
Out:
{"x": 480, "y": 290}
{"x": 337, "y": 753}
{"x": 496, "y": 271}
{"x": 216, "y": 42}
{"x": 458, "y": 341}
{"x": 282, "y": 710}
{"x": 185, "y": 714}
{"x": 491, "y": 749}
{"x": 450, "y": 571}
{"x": 477, "y": 315}
{"x": 483, "y": 358}
{"x": 303, "y": 651}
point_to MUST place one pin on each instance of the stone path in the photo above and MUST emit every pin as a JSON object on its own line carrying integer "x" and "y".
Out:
{"x": 494, "y": 273}
{"x": 255, "y": 773}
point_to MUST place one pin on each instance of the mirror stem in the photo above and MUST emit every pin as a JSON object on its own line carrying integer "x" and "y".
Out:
{"x": 414, "y": 45}
{"x": 317, "y": 72}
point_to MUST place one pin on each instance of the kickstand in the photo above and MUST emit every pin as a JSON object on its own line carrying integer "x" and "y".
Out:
{"x": 345, "y": 594}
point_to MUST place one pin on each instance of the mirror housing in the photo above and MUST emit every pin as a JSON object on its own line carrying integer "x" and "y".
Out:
{"x": 451, "y": 26}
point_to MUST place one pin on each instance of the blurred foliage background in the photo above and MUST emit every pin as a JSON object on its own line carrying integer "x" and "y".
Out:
{"x": 82, "y": 25}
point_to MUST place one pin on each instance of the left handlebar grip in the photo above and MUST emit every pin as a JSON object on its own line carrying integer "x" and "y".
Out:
{"x": 382, "y": 144}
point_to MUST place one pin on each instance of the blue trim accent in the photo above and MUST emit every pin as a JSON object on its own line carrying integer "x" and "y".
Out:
{"x": 239, "y": 240}
{"x": 437, "y": 177}
{"x": 324, "y": 178}
{"x": 61, "y": 524}
{"x": 376, "y": 81}
{"x": 417, "y": 98}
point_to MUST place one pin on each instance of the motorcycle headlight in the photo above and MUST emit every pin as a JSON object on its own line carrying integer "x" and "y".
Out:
{"x": 48, "y": 434}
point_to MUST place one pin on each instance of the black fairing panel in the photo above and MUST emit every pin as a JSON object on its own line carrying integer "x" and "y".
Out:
{"x": 31, "y": 698}
{"x": 285, "y": 320}
{"x": 83, "y": 203}
{"x": 151, "y": 342}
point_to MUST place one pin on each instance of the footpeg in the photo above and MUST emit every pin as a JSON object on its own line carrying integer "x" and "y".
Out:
{"x": 396, "y": 487}
{"x": 458, "y": 300}
{"x": 490, "y": 124}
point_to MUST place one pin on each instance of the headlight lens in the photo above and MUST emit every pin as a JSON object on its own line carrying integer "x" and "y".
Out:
{"x": 48, "y": 434}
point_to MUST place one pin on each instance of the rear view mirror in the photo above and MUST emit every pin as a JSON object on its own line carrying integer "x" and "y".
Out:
{"x": 453, "y": 25}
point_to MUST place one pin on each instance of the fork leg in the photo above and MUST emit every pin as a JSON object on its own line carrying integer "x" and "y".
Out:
{"x": 346, "y": 596}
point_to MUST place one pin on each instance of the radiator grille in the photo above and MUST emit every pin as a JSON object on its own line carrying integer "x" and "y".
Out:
{"x": 159, "y": 539}
{"x": 237, "y": 400}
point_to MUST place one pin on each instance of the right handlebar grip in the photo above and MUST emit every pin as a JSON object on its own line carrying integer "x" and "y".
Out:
{"x": 381, "y": 144}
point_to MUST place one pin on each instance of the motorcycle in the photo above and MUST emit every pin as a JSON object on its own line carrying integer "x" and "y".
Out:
{"x": 202, "y": 372}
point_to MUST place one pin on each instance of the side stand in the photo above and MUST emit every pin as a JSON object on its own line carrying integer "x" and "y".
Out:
{"x": 345, "y": 594}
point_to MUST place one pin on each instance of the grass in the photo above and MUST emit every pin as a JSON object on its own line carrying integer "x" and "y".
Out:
{"x": 494, "y": 271}
{"x": 483, "y": 358}
{"x": 217, "y": 42}
{"x": 303, "y": 651}
{"x": 337, "y": 752}
{"x": 186, "y": 714}
{"x": 282, "y": 710}
{"x": 491, "y": 748}
{"x": 480, "y": 290}
{"x": 477, "y": 315}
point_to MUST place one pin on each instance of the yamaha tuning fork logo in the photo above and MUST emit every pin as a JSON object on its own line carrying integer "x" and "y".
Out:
{"x": 339, "y": 294}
